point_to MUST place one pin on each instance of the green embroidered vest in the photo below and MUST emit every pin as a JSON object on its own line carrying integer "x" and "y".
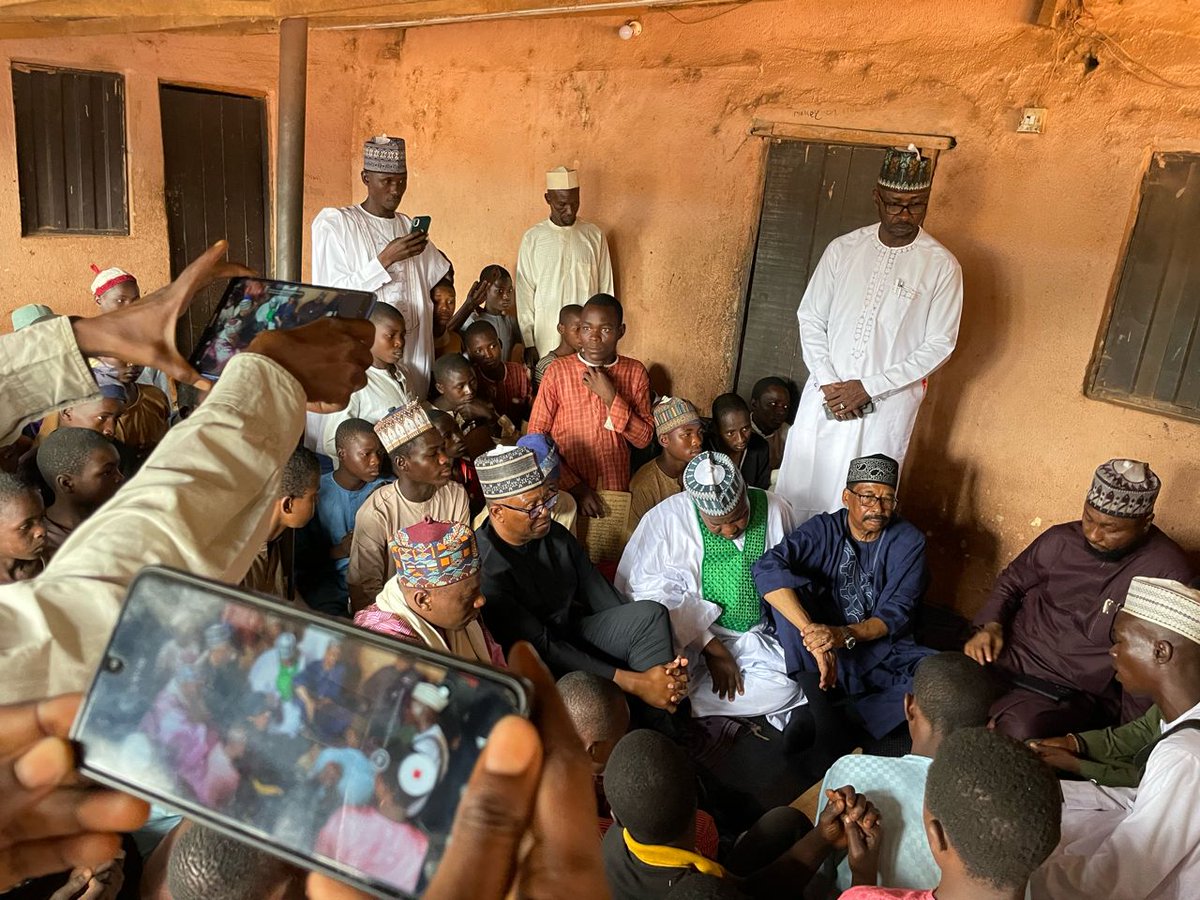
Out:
{"x": 725, "y": 576}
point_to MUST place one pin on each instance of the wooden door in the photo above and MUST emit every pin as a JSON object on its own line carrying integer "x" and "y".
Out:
{"x": 215, "y": 162}
{"x": 813, "y": 193}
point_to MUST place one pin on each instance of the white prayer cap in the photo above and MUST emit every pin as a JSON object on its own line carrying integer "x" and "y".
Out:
{"x": 562, "y": 179}
{"x": 435, "y": 696}
{"x": 1166, "y": 603}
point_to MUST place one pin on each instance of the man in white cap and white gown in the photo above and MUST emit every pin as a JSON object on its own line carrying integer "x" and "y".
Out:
{"x": 694, "y": 553}
{"x": 880, "y": 314}
{"x": 371, "y": 247}
{"x": 562, "y": 260}
{"x": 1141, "y": 843}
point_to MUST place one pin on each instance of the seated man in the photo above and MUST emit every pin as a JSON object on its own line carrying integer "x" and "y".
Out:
{"x": 422, "y": 489}
{"x": 434, "y": 598}
{"x": 991, "y": 818}
{"x": 550, "y": 463}
{"x": 1144, "y": 842}
{"x": 505, "y": 385}
{"x": 844, "y": 586}
{"x": 22, "y": 530}
{"x": 770, "y": 403}
{"x": 1049, "y": 616}
{"x": 732, "y": 433}
{"x": 83, "y": 470}
{"x": 570, "y": 343}
{"x": 949, "y": 693}
{"x": 694, "y": 553}
{"x": 679, "y": 431}
{"x": 542, "y": 588}
{"x": 299, "y": 486}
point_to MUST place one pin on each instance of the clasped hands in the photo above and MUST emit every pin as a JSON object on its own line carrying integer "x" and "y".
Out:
{"x": 845, "y": 399}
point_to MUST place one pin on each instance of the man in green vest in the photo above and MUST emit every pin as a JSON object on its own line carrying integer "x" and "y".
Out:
{"x": 694, "y": 553}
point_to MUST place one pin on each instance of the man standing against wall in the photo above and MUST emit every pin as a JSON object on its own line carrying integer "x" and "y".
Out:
{"x": 561, "y": 261}
{"x": 881, "y": 313}
{"x": 372, "y": 247}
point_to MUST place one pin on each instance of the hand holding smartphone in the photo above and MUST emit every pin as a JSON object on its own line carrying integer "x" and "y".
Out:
{"x": 333, "y": 748}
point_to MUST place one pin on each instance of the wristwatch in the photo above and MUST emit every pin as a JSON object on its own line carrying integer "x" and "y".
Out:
{"x": 848, "y": 639}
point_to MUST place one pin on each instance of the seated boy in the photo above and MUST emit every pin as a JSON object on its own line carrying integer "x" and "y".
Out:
{"x": 84, "y": 471}
{"x": 457, "y": 389}
{"x": 99, "y": 415}
{"x": 731, "y": 433}
{"x": 146, "y": 417}
{"x": 950, "y": 691}
{"x": 387, "y": 382}
{"x": 595, "y": 406}
{"x": 498, "y": 298}
{"x": 462, "y": 469}
{"x": 22, "y": 531}
{"x": 569, "y": 344}
{"x": 681, "y": 435}
{"x": 444, "y": 300}
{"x": 298, "y": 488}
{"x": 992, "y": 815}
{"x": 770, "y": 403}
{"x": 651, "y": 845}
{"x": 359, "y": 456}
{"x": 505, "y": 384}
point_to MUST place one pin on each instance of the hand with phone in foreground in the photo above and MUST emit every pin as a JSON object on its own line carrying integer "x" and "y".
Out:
{"x": 533, "y": 778}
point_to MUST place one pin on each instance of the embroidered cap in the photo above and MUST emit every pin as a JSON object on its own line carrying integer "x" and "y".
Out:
{"x": 1166, "y": 603}
{"x": 674, "y": 412}
{"x": 401, "y": 425}
{"x": 562, "y": 179}
{"x": 876, "y": 469}
{"x": 385, "y": 154}
{"x": 906, "y": 170}
{"x": 1125, "y": 488}
{"x": 508, "y": 471}
{"x": 714, "y": 484}
{"x": 433, "y": 554}
{"x": 545, "y": 450}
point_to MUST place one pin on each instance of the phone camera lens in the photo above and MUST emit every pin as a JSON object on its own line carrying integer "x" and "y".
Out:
{"x": 113, "y": 666}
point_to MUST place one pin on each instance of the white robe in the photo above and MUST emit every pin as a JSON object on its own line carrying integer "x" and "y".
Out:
{"x": 1127, "y": 843}
{"x": 662, "y": 562}
{"x": 380, "y": 395}
{"x": 556, "y": 267}
{"x": 886, "y": 316}
{"x": 346, "y": 243}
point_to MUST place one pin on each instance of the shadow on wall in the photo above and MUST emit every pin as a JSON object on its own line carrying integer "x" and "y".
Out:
{"x": 940, "y": 494}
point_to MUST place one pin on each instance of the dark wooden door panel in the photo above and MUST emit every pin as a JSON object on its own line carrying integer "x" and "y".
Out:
{"x": 215, "y": 176}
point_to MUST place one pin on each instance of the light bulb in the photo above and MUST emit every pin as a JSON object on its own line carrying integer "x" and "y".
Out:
{"x": 630, "y": 30}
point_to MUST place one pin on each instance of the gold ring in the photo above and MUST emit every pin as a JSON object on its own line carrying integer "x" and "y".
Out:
{"x": 841, "y": 406}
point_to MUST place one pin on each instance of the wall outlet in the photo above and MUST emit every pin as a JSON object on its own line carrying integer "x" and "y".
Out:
{"x": 1033, "y": 120}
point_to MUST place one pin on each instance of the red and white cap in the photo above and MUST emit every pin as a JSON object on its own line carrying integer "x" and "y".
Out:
{"x": 107, "y": 279}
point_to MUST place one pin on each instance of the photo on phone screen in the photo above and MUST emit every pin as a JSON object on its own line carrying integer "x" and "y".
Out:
{"x": 251, "y": 306}
{"x": 332, "y": 747}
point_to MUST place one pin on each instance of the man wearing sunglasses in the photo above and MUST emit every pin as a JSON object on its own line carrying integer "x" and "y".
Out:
{"x": 844, "y": 587}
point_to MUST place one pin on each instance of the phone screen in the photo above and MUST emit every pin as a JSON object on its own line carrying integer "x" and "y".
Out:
{"x": 421, "y": 223}
{"x": 333, "y": 748}
{"x": 251, "y": 306}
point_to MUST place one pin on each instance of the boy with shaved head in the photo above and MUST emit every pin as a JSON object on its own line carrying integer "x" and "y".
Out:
{"x": 570, "y": 342}
{"x": 83, "y": 469}
{"x": 22, "y": 531}
{"x": 505, "y": 384}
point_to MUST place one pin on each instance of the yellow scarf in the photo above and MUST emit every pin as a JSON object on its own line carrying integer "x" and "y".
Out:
{"x": 671, "y": 857}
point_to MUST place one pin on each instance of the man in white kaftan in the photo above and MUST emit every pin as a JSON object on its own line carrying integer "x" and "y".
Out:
{"x": 372, "y": 247}
{"x": 1142, "y": 843}
{"x": 561, "y": 261}
{"x": 693, "y": 554}
{"x": 880, "y": 314}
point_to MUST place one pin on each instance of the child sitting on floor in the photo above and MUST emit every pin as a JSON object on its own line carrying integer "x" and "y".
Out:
{"x": 462, "y": 469}
{"x": 505, "y": 384}
{"x": 83, "y": 469}
{"x": 22, "y": 531}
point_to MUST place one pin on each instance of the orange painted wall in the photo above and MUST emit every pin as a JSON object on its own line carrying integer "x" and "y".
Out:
{"x": 658, "y": 127}
{"x": 53, "y": 269}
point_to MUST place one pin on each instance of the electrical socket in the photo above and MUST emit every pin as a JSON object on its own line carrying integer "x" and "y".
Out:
{"x": 1033, "y": 120}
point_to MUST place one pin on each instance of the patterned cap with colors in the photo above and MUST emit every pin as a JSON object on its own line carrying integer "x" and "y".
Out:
{"x": 107, "y": 279}
{"x": 385, "y": 154}
{"x": 433, "y": 554}
{"x": 906, "y": 170}
{"x": 508, "y": 471}
{"x": 674, "y": 412}
{"x": 402, "y": 425}
{"x": 874, "y": 469}
{"x": 1124, "y": 488}
{"x": 1166, "y": 603}
{"x": 545, "y": 450}
{"x": 714, "y": 484}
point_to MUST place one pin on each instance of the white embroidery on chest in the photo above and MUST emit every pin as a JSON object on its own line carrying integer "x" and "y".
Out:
{"x": 877, "y": 289}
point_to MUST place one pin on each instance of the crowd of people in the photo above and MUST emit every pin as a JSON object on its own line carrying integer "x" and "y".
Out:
{"x": 760, "y": 633}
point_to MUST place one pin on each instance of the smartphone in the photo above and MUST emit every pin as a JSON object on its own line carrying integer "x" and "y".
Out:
{"x": 867, "y": 409}
{"x": 336, "y": 749}
{"x": 421, "y": 223}
{"x": 251, "y": 306}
